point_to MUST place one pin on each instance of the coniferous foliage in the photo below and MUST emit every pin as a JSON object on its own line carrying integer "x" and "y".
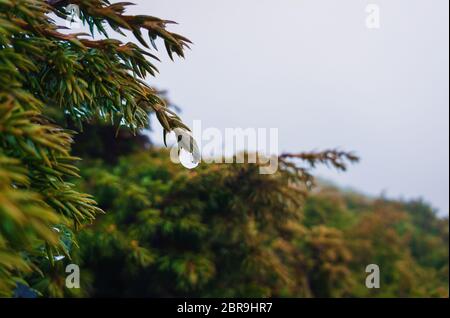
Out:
{"x": 220, "y": 230}
{"x": 227, "y": 231}
{"x": 45, "y": 71}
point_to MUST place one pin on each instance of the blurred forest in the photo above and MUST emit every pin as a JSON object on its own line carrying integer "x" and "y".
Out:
{"x": 227, "y": 231}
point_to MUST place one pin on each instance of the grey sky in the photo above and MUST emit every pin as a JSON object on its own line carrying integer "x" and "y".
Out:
{"x": 312, "y": 69}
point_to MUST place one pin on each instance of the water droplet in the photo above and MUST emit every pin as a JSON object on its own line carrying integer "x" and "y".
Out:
{"x": 187, "y": 159}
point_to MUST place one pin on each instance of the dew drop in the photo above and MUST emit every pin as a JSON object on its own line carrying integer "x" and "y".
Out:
{"x": 187, "y": 160}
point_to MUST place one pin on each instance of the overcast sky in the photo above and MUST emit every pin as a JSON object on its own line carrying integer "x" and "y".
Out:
{"x": 314, "y": 70}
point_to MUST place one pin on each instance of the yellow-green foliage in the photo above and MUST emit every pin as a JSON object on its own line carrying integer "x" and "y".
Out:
{"x": 221, "y": 230}
{"x": 227, "y": 231}
{"x": 44, "y": 71}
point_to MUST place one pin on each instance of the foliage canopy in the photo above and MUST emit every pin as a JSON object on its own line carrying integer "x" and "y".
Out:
{"x": 218, "y": 231}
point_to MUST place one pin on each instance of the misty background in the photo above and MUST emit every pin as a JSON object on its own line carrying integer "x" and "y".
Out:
{"x": 312, "y": 69}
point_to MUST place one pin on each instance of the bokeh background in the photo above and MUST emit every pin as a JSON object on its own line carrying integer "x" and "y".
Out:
{"x": 312, "y": 69}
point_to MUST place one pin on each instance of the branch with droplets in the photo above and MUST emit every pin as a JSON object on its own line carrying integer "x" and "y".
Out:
{"x": 114, "y": 15}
